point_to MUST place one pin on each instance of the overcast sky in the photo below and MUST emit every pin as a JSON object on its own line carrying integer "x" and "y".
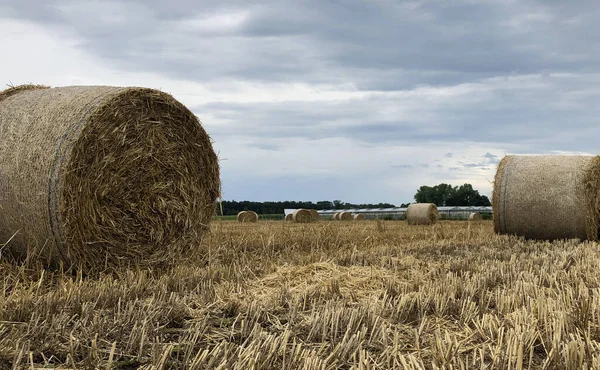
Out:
{"x": 362, "y": 101}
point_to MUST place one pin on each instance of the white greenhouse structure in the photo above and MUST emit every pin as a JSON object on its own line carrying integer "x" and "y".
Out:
{"x": 399, "y": 213}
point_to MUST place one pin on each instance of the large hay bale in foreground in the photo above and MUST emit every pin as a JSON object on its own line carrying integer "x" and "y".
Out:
{"x": 422, "y": 214}
{"x": 302, "y": 216}
{"x": 289, "y": 217}
{"x": 359, "y": 217}
{"x": 99, "y": 176}
{"x": 315, "y": 215}
{"x": 475, "y": 216}
{"x": 247, "y": 216}
{"x": 547, "y": 197}
{"x": 345, "y": 216}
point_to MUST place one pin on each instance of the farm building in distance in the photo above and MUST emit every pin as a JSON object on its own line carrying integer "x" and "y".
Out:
{"x": 399, "y": 213}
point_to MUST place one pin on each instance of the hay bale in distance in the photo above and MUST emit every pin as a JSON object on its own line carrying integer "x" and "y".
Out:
{"x": 475, "y": 216}
{"x": 99, "y": 176}
{"x": 359, "y": 217}
{"x": 336, "y": 216}
{"x": 302, "y": 216}
{"x": 247, "y": 216}
{"x": 315, "y": 215}
{"x": 547, "y": 197}
{"x": 422, "y": 214}
{"x": 289, "y": 217}
{"x": 345, "y": 216}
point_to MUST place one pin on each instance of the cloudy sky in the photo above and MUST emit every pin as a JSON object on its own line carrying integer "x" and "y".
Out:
{"x": 362, "y": 101}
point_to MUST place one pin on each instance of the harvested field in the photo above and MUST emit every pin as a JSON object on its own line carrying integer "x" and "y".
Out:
{"x": 277, "y": 295}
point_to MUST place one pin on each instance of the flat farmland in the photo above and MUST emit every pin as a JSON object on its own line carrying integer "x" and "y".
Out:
{"x": 328, "y": 295}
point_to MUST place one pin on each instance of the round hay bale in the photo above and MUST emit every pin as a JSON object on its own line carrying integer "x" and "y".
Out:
{"x": 240, "y": 216}
{"x": 336, "y": 216}
{"x": 289, "y": 217}
{"x": 345, "y": 216}
{"x": 302, "y": 216}
{"x": 475, "y": 216}
{"x": 359, "y": 217}
{"x": 99, "y": 176}
{"x": 422, "y": 214}
{"x": 547, "y": 197}
{"x": 247, "y": 216}
{"x": 315, "y": 215}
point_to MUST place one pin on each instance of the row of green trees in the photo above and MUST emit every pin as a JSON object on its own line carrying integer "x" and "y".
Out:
{"x": 441, "y": 194}
{"x": 448, "y": 195}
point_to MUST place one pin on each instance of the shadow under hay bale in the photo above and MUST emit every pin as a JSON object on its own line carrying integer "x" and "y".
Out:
{"x": 475, "y": 216}
{"x": 302, "y": 216}
{"x": 247, "y": 216}
{"x": 422, "y": 214}
{"x": 102, "y": 176}
{"x": 345, "y": 216}
{"x": 547, "y": 197}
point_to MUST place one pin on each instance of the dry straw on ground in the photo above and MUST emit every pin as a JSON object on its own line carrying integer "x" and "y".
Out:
{"x": 314, "y": 214}
{"x": 289, "y": 217}
{"x": 302, "y": 216}
{"x": 475, "y": 216}
{"x": 324, "y": 296}
{"x": 345, "y": 216}
{"x": 359, "y": 217}
{"x": 247, "y": 216}
{"x": 101, "y": 176}
{"x": 422, "y": 214}
{"x": 548, "y": 197}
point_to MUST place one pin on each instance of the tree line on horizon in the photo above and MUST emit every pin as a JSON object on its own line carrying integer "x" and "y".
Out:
{"x": 441, "y": 194}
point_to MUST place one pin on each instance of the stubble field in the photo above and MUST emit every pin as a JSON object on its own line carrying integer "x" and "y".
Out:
{"x": 330, "y": 295}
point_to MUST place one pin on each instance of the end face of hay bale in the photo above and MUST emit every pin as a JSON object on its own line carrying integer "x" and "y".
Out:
{"x": 247, "y": 216}
{"x": 547, "y": 197}
{"x": 302, "y": 216}
{"x": 315, "y": 215}
{"x": 422, "y": 214}
{"x": 359, "y": 217}
{"x": 475, "y": 216}
{"x": 114, "y": 175}
{"x": 240, "y": 216}
{"x": 345, "y": 216}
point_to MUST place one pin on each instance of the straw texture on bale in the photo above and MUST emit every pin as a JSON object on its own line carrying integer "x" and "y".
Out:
{"x": 359, "y": 217}
{"x": 302, "y": 216}
{"x": 98, "y": 176}
{"x": 289, "y": 217}
{"x": 247, "y": 216}
{"x": 315, "y": 215}
{"x": 547, "y": 197}
{"x": 475, "y": 216}
{"x": 345, "y": 216}
{"x": 422, "y": 214}
{"x": 336, "y": 216}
